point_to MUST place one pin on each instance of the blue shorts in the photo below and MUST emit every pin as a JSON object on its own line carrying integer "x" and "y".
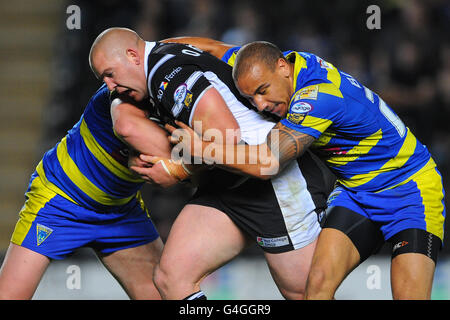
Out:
{"x": 417, "y": 203}
{"x": 54, "y": 226}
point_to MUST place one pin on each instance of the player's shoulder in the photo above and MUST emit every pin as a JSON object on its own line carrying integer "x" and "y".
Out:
{"x": 176, "y": 49}
{"x": 317, "y": 93}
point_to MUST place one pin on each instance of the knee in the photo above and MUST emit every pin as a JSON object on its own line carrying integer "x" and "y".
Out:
{"x": 292, "y": 288}
{"x": 319, "y": 282}
{"x": 168, "y": 278}
{"x": 160, "y": 279}
{"x": 173, "y": 282}
{"x": 298, "y": 294}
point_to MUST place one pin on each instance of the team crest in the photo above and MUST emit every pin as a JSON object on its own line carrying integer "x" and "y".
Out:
{"x": 42, "y": 233}
{"x": 188, "y": 100}
{"x": 295, "y": 118}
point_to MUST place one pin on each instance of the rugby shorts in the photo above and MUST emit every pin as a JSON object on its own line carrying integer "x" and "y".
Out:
{"x": 415, "y": 204}
{"x": 280, "y": 214}
{"x": 55, "y": 227}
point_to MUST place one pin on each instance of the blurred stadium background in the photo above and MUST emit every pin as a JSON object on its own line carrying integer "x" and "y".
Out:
{"x": 45, "y": 83}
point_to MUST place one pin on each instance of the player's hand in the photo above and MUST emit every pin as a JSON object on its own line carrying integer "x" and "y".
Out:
{"x": 135, "y": 161}
{"x": 153, "y": 171}
{"x": 185, "y": 139}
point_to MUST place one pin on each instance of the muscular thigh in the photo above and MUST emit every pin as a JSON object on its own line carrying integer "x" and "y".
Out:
{"x": 201, "y": 240}
{"x": 21, "y": 272}
{"x": 290, "y": 270}
{"x": 134, "y": 263}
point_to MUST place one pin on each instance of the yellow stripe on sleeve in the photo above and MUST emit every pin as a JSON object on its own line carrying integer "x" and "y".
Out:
{"x": 330, "y": 88}
{"x": 324, "y": 139}
{"x": 405, "y": 152}
{"x": 77, "y": 177}
{"x": 362, "y": 148}
{"x": 333, "y": 75}
{"x": 104, "y": 157}
{"x": 318, "y": 124}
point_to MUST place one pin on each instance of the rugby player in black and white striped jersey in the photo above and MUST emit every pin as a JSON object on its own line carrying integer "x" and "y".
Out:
{"x": 229, "y": 211}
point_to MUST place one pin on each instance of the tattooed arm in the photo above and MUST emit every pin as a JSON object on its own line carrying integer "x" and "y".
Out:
{"x": 263, "y": 161}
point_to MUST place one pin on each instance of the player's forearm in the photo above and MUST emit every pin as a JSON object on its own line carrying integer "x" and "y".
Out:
{"x": 262, "y": 161}
{"x": 142, "y": 138}
{"x": 132, "y": 127}
{"x": 257, "y": 160}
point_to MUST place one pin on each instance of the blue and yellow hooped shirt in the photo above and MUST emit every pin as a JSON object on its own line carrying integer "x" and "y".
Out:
{"x": 357, "y": 134}
{"x": 89, "y": 165}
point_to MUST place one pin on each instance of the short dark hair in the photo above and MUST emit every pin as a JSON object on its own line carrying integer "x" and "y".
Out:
{"x": 257, "y": 51}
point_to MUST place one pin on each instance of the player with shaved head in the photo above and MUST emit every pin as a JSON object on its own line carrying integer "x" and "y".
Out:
{"x": 228, "y": 211}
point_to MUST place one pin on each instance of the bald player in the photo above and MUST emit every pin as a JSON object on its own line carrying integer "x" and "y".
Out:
{"x": 184, "y": 83}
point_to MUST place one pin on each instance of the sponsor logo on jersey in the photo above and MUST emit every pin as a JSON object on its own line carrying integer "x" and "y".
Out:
{"x": 301, "y": 107}
{"x": 172, "y": 74}
{"x": 298, "y": 112}
{"x": 42, "y": 233}
{"x": 308, "y": 93}
{"x": 161, "y": 89}
{"x": 180, "y": 96}
{"x": 324, "y": 64}
{"x": 333, "y": 196}
{"x": 272, "y": 242}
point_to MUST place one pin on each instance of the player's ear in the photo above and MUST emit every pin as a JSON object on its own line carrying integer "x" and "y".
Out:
{"x": 283, "y": 67}
{"x": 133, "y": 56}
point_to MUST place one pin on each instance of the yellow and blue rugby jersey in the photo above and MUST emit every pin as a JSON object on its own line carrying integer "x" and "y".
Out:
{"x": 89, "y": 165}
{"x": 358, "y": 136}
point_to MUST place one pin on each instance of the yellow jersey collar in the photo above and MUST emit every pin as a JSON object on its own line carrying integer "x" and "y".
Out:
{"x": 299, "y": 64}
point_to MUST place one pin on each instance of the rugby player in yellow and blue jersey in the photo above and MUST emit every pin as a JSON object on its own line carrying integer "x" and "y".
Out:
{"x": 388, "y": 187}
{"x": 82, "y": 194}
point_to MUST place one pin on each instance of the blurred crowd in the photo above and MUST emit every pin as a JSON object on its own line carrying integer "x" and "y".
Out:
{"x": 406, "y": 61}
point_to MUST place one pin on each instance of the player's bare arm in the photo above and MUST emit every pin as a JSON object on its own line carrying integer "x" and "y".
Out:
{"x": 132, "y": 125}
{"x": 214, "y": 47}
{"x": 213, "y": 115}
{"x": 210, "y": 115}
{"x": 287, "y": 144}
{"x": 263, "y": 161}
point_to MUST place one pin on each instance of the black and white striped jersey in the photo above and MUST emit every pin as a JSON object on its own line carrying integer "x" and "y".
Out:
{"x": 177, "y": 77}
